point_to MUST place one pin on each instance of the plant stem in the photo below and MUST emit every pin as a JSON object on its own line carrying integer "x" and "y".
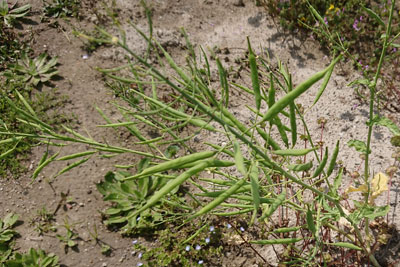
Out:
{"x": 372, "y": 87}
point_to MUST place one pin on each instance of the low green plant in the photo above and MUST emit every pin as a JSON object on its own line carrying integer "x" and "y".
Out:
{"x": 285, "y": 182}
{"x": 6, "y": 225}
{"x": 60, "y": 8}
{"x": 9, "y": 12}
{"x": 6, "y": 235}
{"x": 129, "y": 196}
{"x": 32, "y": 71}
{"x": 33, "y": 258}
{"x": 191, "y": 245}
{"x": 44, "y": 221}
{"x": 70, "y": 237}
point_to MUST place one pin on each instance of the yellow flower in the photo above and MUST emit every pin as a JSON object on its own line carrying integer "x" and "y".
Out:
{"x": 331, "y": 7}
{"x": 114, "y": 40}
{"x": 378, "y": 185}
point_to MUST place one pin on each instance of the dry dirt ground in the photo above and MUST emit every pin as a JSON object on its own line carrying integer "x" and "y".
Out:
{"x": 210, "y": 23}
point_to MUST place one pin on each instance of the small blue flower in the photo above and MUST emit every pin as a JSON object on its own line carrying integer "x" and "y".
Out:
{"x": 140, "y": 255}
{"x": 241, "y": 229}
{"x": 200, "y": 262}
{"x": 138, "y": 218}
{"x": 198, "y": 247}
{"x": 139, "y": 264}
{"x": 134, "y": 242}
{"x": 229, "y": 226}
{"x": 187, "y": 248}
{"x": 207, "y": 240}
{"x": 212, "y": 228}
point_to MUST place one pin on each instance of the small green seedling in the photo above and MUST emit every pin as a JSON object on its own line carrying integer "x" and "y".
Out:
{"x": 34, "y": 258}
{"x": 60, "y": 8}
{"x": 10, "y": 12}
{"x": 33, "y": 71}
{"x": 129, "y": 196}
{"x": 70, "y": 236}
{"x": 6, "y": 233}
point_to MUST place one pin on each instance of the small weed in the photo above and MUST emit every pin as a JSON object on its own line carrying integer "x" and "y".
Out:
{"x": 188, "y": 246}
{"x": 105, "y": 248}
{"x": 10, "y": 12}
{"x": 44, "y": 222}
{"x": 61, "y": 8}
{"x": 34, "y": 258}
{"x": 131, "y": 195}
{"x": 11, "y": 258}
{"x": 32, "y": 71}
{"x": 6, "y": 235}
{"x": 70, "y": 237}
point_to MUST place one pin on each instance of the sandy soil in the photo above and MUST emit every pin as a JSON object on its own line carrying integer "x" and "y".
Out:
{"x": 210, "y": 23}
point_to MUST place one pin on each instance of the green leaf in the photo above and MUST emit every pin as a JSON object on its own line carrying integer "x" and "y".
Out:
{"x": 386, "y": 122}
{"x": 171, "y": 151}
{"x": 374, "y": 15}
{"x": 360, "y": 146}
